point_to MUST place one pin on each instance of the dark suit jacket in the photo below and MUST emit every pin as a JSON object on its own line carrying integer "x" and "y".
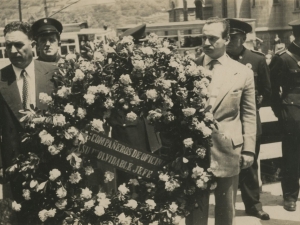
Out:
{"x": 10, "y": 104}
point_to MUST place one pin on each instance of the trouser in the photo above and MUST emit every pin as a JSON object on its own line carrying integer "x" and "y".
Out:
{"x": 249, "y": 183}
{"x": 225, "y": 196}
{"x": 290, "y": 152}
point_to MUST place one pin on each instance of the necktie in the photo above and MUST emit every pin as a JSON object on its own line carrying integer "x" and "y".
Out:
{"x": 213, "y": 87}
{"x": 25, "y": 94}
{"x": 212, "y": 64}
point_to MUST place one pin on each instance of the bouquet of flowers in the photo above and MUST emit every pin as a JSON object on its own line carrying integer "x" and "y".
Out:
{"x": 150, "y": 80}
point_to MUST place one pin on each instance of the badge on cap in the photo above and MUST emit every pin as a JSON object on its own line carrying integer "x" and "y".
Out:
{"x": 298, "y": 63}
{"x": 249, "y": 65}
{"x": 45, "y": 21}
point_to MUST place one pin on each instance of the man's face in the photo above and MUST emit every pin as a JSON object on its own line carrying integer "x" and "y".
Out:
{"x": 48, "y": 46}
{"x": 213, "y": 44}
{"x": 19, "y": 48}
{"x": 236, "y": 43}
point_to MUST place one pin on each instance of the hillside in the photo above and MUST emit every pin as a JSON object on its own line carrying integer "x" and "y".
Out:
{"x": 113, "y": 13}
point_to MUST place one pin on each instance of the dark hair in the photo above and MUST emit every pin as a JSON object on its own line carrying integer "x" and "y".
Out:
{"x": 19, "y": 26}
{"x": 224, "y": 22}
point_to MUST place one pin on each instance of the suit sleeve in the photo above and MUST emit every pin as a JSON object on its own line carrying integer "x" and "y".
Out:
{"x": 264, "y": 83}
{"x": 248, "y": 114}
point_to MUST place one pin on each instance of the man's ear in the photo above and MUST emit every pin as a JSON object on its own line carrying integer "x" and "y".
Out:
{"x": 33, "y": 43}
{"x": 59, "y": 43}
{"x": 227, "y": 40}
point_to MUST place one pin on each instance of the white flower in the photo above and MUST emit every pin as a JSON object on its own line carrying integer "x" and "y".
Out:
{"x": 131, "y": 117}
{"x": 125, "y": 79}
{"x": 185, "y": 160}
{"x": 165, "y": 50}
{"x": 147, "y": 50}
{"x": 201, "y": 152}
{"x": 26, "y": 194}
{"x": 109, "y": 176}
{"x": 138, "y": 64}
{"x": 33, "y": 183}
{"x": 109, "y": 103}
{"x": 102, "y": 89}
{"x": 213, "y": 186}
{"x": 154, "y": 223}
{"x": 61, "y": 192}
{"x": 104, "y": 202}
{"x": 15, "y": 206}
{"x": 150, "y": 204}
{"x": 79, "y": 75}
{"x": 89, "y": 98}
{"x": 88, "y": 170}
{"x": 81, "y": 113}
{"x": 51, "y": 212}
{"x": 55, "y": 173}
{"x": 92, "y": 90}
{"x": 201, "y": 184}
{"x": 154, "y": 114}
{"x": 59, "y": 120}
{"x": 171, "y": 184}
{"x": 99, "y": 210}
{"x": 45, "y": 98}
{"x": 188, "y": 112}
{"x": 197, "y": 172}
{"x": 206, "y": 131}
{"x": 134, "y": 182}
{"x": 63, "y": 92}
{"x": 98, "y": 56}
{"x": 89, "y": 204}
{"x": 151, "y": 94}
{"x": 75, "y": 161}
{"x": 61, "y": 203}
{"x": 164, "y": 177}
{"x": 131, "y": 204}
{"x": 101, "y": 195}
{"x": 46, "y": 138}
{"x": 97, "y": 125}
{"x": 75, "y": 178}
{"x": 173, "y": 63}
{"x": 123, "y": 189}
{"x": 71, "y": 132}
{"x": 69, "y": 109}
{"x": 86, "y": 193}
{"x": 43, "y": 215}
{"x": 188, "y": 142}
{"x": 173, "y": 207}
{"x": 124, "y": 220}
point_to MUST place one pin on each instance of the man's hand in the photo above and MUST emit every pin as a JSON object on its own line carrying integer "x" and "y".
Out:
{"x": 247, "y": 160}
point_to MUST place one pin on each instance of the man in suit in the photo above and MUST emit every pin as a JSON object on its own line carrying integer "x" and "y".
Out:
{"x": 232, "y": 97}
{"x": 46, "y": 32}
{"x": 254, "y": 60}
{"x": 20, "y": 85}
{"x": 285, "y": 78}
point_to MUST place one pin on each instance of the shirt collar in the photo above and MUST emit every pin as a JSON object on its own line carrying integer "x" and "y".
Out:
{"x": 222, "y": 60}
{"x": 29, "y": 69}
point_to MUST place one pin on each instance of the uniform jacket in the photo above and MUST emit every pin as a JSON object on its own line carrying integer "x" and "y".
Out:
{"x": 257, "y": 63}
{"x": 235, "y": 111}
{"x": 285, "y": 78}
{"x": 10, "y": 104}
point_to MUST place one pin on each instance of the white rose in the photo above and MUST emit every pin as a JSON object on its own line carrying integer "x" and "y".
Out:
{"x": 131, "y": 204}
{"x": 43, "y": 215}
{"x": 151, "y": 94}
{"x": 109, "y": 103}
{"x": 123, "y": 189}
{"x": 61, "y": 192}
{"x": 55, "y": 173}
{"x": 63, "y": 92}
{"x": 26, "y": 194}
{"x": 81, "y": 113}
{"x": 88, "y": 170}
{"x": 61, "y": 203}
{"x": 109, "y": 176}
{"x": 201, "y": 184}
{"x": 188, "y": 142}
{"x": 125, "y": 79}
{"x": 75, "y": 178}
{"x": 97, "y": 124}
{"x": 45, "y": 98}
{"x": 102, "y": 89}
{"x": 151, "y": 204}
{"x": 46, "y": 139}
{"x": 92, "y": 90}
{"x": 105, "y": 202}
{"x": 131, "y": 117}
{"x": 206, "y": 132}
{"x": 86, "y": 193}
{"x": 89, "y": 204}
{"x": 188, "y": 112}
{"x": 89, "y": 98}
{"x": 164, "y": 177}
{"x": 59, "y": 120}
{"x": 98, "y": 56}
{"x": 147, "y": 50}
{"x": 79, "y": 75}
{"x": 51, "y": 212}
{"x": 99, "y": 210}
{"x": 69, "y": 109}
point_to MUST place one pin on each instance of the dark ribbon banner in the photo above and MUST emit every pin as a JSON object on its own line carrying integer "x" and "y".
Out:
{"x": 122, "y": 156}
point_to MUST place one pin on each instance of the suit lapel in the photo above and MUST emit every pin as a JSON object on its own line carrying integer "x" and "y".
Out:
{"x": 227, "y": 84}
{"x": 42, "y": 83}
{"x": 10, "y": 92}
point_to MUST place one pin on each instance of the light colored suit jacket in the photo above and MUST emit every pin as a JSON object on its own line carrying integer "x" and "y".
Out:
{"x": 235, "y": 111}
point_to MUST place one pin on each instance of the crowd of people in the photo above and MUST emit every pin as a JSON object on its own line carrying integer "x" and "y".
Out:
{"x": 242, "y": 81}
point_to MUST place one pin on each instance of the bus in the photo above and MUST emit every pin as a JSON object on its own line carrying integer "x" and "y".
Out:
{"x": 186, "y": 35}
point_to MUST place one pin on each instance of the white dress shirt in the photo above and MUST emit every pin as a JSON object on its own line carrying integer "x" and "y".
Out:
{"x": 218, "y": 78}
{"x": 31, "y": 78}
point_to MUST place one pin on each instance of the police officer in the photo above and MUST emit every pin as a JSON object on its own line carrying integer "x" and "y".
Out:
{"x": 46, "y": 32}
{"x": 285, "y": 75}
{"x": 256, "y": 61}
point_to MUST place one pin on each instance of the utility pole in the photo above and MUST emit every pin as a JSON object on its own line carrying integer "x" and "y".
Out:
{"x": 45, "y": 7}
{"x": 20, "y": 11}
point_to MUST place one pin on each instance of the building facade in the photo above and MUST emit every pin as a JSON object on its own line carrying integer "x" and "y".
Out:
{"x": 272, "y": 16}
